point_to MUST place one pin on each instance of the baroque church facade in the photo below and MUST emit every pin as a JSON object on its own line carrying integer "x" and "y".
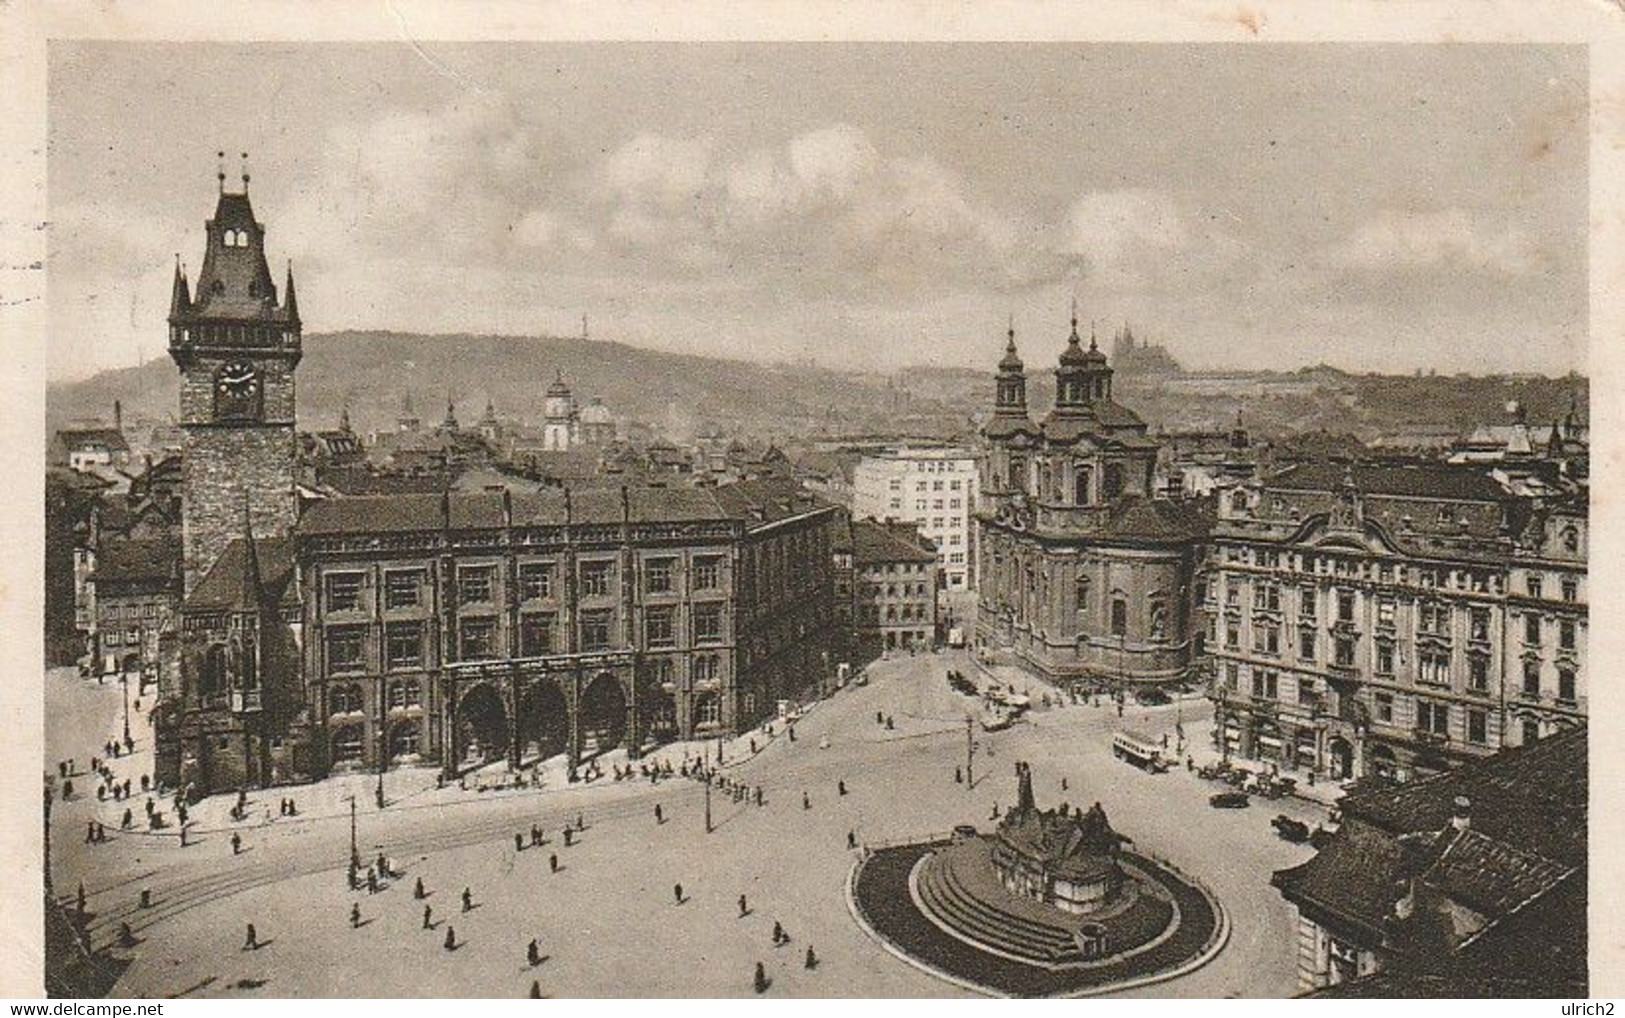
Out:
{"x": 1085, "y": 575}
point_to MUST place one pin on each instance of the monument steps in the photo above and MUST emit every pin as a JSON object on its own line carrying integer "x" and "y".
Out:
{"x": 947, "y": 898}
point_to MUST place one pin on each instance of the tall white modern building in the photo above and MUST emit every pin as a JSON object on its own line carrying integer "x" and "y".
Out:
{"x": 932, "y": 488}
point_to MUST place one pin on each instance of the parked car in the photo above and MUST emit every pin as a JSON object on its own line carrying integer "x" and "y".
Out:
{"x": 1295, "y": 831}
{"x": 1228, "y": 800}
{"x": 1151, "y": 697}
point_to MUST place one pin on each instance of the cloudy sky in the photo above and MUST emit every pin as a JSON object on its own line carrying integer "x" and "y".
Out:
{"x": 1373, "y": 207}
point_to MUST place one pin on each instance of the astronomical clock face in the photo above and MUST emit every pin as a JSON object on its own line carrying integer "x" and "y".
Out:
{"x": 237, "y": 391}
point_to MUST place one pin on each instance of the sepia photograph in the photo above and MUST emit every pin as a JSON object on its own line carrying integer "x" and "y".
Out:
{"x": 805, "y": 518}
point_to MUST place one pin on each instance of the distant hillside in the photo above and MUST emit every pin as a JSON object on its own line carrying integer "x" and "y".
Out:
{"x": 680, "y": 394}
{"x": 370, "y": 372}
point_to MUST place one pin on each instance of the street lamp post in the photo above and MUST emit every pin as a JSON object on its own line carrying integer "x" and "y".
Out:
{"x": 970, "y": 756}
{"x": 125, "y": 682}
{"x": 355, "y": 848}
{"x": 708, "y": 804}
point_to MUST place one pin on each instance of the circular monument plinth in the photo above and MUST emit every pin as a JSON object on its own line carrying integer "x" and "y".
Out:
{"x": 1052, "y": 903}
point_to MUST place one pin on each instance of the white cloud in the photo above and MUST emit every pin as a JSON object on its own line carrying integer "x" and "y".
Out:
{"x": 1114, "y": 230}
{"x": 1409, "y": 240}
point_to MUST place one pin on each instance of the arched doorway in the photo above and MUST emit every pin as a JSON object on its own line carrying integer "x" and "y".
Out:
{"x": 544, "y": 721}
{"x": 602, "y": 715}
{"x": 482, "y": 726}
{"x": 347, "y": 746}
{"x": 1342, "y": 758}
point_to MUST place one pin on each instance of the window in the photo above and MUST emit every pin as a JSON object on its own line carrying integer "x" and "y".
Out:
{"x": 477, "y": 639}
{"x": 1531, "y": 629}
{"x": 708, "y": 573}
{"x": 403, "y": 693}
{"x": 347, "y": 744}
{"x": 1434, "y": 667}
{"x": 1306, "y": 603}
{"x": 1571, "y": 539}
{"x": 403, "y": 644}
{"x": 344, "y": 698}
{"x": 1432, "y": 718}
{"x": 1531, "y": 731}
{"x": 707, "y": 710}
{"x": 1266, "y": 639}
{"x": 402, "y": 588}
{"x": 536, "y": 634}
{"x": 1478, "y": 727}
{"x": 1478, "y": 673}
{"x": 707, "y": 668}
{"x": 1433, "y": 618}
{"x": 1119, "y": 617}
{"x": 1343, "y": 652}
{"x": 1232, "y": 636}
{"x": 474, "y": 584}
{"x": 895, "y": 484}
{"x": 1266, "y": 597}
{"x": 1479, "y": 624}
{"x": 595, "y": 578}
{"x": 1306, "y": 644}
{"x": 1265, "y": 684}
{"x": 657, "y": 575}
{"x": 1565, "y": 685}
{"x": 1385, "y": 611}
{"x": 659, "y": 629}
{"x": 535, "y": 580}
{"x": 1532, "y": 585}
{"x": 1345, "y": 606}
{"x": 1232, "y": 675}
{"x": 1232, "y": 595}
{"x": 1081, "y": 592}
{"x": 1531, "y": 679}
{"x": 1385, "y": 658}
{"x": 1384, "y": 707}
{"x": 343, "y": 592}
{"x": 345, "y": 650}
{"x": 1113, "y": 481}
{"x": 1306, "y": 692}
{"x": 1571, "y": 589}
{"x": 1565, "y": 634}
{"x": 595, "y": 629}
{"x": 708, "y": 622}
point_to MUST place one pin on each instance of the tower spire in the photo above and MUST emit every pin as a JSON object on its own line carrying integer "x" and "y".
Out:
{"x": 249, "y": 592}
{"x": 180, "y": 296}
{"x": 220, "y": 170}
{"x": 1074, "y": 316}
{"x": 290, "y": 302}
{"x": 245, "y": 172}
{"x": 1092, "y": 344}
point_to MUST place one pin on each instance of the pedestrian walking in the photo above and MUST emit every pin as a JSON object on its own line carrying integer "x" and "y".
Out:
{"x": 236, "y": 843}
{"x": 760, "y": 982}
{"x": 126, "y": 936}
{"x": 535, "y": 835}
{"x": 744, "y": 909}
{"x": 959, "y": 775}
{"x": 567, "y": 835}
{"x": 581, "y": 823}
{"x": 533, "y": 953}
{"x": 840, "y": 787}
{"x": 468, "y": 900}
{"x": 812, "y": 959}
{"x": 758, "y": 795}
{"x": 779, "y": 936}
{"x": 851, "y": 839}
{"x": 383, "y": 866}
{"x": 518, "y": 842}
{"x": 677, "y": 892}
{"x": 1063, "y": 784}
{"x": 355, "y": 916}
{"x": 90, "y": 832}
{"x": 889, "y": 725}
{"x": 417, "y": 890}
{"x": 252, "y": 941}
{"x": 428, "y": 917}
{"x": 553, "y": 862}
{"x": 372, "y": 880}
{"x": 451, "y": 938}
{"x": 535, "y": 989}
{"x": 806, "y": 801}
{"x": 659, "y": 816}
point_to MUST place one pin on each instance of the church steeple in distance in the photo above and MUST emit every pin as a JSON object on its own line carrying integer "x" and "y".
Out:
{"x": 1010, "y": 398}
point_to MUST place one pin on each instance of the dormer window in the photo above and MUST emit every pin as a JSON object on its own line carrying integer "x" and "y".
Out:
{"x": 1571, "y": 539}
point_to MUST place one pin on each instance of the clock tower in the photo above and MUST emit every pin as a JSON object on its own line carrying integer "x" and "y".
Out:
{"x": 237, "y": 343}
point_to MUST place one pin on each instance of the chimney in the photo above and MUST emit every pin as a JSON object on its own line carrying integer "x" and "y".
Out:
{"x": 1461, "y": 817}
{"x": 118, "y": 416}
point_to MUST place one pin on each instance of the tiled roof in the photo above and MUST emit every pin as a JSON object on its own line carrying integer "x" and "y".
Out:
{"x": 766, "y": 500}
{"x": 137, "y": 560}
{"x": 1490, "y": 876}
{"x": 874, "y": 542}
{"x": 1156, "y": 518}
{"x": 1355, "y": 876}
{"x": 1438, "y": 481}
{"x": 1533, "y": 798}
{"x": 223, "y": 586}
{"x": 111, "y": 438}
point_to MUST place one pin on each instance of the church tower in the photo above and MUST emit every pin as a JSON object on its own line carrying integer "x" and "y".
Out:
{"x": 236, "y": 344}
{"x": 558, "y": 416}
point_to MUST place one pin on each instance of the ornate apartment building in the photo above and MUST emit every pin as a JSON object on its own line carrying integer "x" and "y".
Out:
{"x": 1392, "y": 620}
{"x": 1084, "y": 574}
